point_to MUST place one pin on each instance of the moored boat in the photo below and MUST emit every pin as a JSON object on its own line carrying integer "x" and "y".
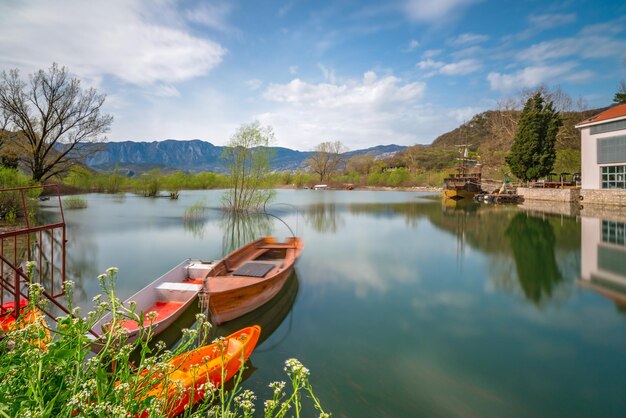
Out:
{"x": 466, "y": 182}
{"x": 269, "y": 316}
{"x": 215, "y": 363}
{"x": 162, "y": 301}
{"x": 249, "y": 277}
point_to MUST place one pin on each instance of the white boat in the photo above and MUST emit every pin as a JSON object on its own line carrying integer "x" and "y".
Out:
{"x": 167, "y": 297}
{"x": 320, "y": 187}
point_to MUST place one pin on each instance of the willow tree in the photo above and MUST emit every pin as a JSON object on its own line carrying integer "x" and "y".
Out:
{"x": 533, "y": 152}
{"x": 247, "y": 158}
{"x": 53, "y": 118}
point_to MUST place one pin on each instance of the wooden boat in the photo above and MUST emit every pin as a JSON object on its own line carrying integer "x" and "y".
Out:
{"x": 466, "y": 182}
{"x": 269, "y": 316}
{"x": 215, "y": 363}
{"x": 167, "y": 297}
{"x": 249, "y": 277}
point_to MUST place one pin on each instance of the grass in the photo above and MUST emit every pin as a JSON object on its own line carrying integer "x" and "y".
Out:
{"x": 65, "y": 379}
{"x": 74, "y": 202}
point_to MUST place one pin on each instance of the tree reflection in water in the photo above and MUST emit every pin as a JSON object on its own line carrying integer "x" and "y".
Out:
{"x": 242, "y": 227}
{"x": 323, "y": 217}
{"x": 532, "y": 242}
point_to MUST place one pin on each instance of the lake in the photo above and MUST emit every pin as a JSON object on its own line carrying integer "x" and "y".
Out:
{"x": 401, "y": 306}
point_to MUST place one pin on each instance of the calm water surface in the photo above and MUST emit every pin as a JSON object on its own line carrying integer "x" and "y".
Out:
{"x": 401, "y": 306}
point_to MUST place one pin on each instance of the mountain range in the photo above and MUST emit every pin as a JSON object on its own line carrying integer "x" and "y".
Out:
{"x": 196, "y": 155}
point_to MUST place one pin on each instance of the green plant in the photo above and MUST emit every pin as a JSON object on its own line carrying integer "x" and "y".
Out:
{"x": 74, "y": 202}
{"x": 248, "y": 164}
{"x": 533, "y": 152}
{"x": 64, "y": 379}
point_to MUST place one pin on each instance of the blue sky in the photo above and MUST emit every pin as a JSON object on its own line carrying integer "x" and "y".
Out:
{"x": 360, "y": 72}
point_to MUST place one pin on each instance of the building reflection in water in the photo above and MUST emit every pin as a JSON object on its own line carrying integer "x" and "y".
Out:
{"x": 603, "y": 264}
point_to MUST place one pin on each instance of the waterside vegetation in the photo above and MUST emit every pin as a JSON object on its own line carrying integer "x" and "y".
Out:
{"x": 63, "y": 378}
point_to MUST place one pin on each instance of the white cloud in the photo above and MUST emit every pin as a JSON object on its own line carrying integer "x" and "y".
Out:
{"x": 430, "y": 53}
{"x": 468, "y": 38}
{"x": 293, "y": 69}
{"x": 125, "y": 39}
{"x": 412, "y": 46}
{"x": 593, "y": 46}
{"x": 254, "y": 84}
{"x": 432, "y": 11}
{"x": 428, "y": 64}
{"x": 528, "y": 77}
{"x": 211, "y": 14}
{"x": 329, "y": 73}
{"x": 464, "y": 114}
{"x": 540, "y": 23}
{"x": 454, "y": 68}
{"x": 357, "y": 112}
{"x": 549, "y": 21}
{"x": 461, "y": 67}
{"x": 165, "y": 90}
{"x": 371, "y": 91}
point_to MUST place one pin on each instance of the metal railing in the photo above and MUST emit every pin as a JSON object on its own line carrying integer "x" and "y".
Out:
{"x": 45, "y": 245}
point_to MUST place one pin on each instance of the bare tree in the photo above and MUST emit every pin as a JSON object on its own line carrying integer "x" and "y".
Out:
{"x": 361, "y": 164}
{"x": 327, "y": 159}
{"x": 54, "y": 117}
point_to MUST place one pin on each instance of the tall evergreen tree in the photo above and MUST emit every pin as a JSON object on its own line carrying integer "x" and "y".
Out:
{"x": 620, "y": 96}
{"x": 533, "y": 153}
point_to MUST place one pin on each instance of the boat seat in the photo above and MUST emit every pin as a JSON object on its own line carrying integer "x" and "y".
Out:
{"x": 254, "y": 269}
{"x": 183, "y": 287}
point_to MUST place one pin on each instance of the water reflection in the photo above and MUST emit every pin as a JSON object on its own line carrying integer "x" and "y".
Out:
{"x": 241, "y": 228}
{"x": 532, "y": 243}
{"x": 323, "y": 217}
{"x": 603, "y": 266}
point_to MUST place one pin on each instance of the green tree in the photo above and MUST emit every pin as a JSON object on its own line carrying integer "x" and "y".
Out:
{"x": 533, "y": 153}
{"x": 55, "y": 117}
{"x": 361, "y": 164}
{"x": 620, "y": 96}
{"x": 248, "y": 163}
{"x": 327, "y": 159}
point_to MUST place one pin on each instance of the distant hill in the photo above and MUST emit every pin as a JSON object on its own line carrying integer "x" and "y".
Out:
{"x": 479, "y": 131}
{"x": 196, "y": 155}
{"x": 490, "y": 135}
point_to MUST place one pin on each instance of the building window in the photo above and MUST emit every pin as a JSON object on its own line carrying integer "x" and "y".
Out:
{"x": 614, "y": 232}
{"x": 612, "y": 150}
{"x": 608, "y": 127}
{"x": 614, "y": 177}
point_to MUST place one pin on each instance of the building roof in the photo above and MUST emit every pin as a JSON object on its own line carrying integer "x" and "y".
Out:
{"x": 615, "y": 112}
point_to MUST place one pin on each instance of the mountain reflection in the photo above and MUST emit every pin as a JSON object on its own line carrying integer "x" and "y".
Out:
{"x": 533, "y": 243}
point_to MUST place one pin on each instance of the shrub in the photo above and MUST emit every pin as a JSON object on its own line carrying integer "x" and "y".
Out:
{"x": 74, "y": 202}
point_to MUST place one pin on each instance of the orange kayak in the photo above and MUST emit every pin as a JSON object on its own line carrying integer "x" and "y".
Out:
{"x": 215, "y": 363}
{"x": 28, "y": 316}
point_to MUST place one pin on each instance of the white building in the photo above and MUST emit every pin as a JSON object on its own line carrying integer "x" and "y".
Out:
{"x": 603, "y": 150}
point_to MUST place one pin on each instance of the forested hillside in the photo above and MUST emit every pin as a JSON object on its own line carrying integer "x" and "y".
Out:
{"x": 490, "y": 136}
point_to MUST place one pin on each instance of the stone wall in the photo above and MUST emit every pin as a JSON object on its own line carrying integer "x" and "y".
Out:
{"x": 554, "y": 195}
{"x": 602, "y": 197}
{"x": 612, "y": 197}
